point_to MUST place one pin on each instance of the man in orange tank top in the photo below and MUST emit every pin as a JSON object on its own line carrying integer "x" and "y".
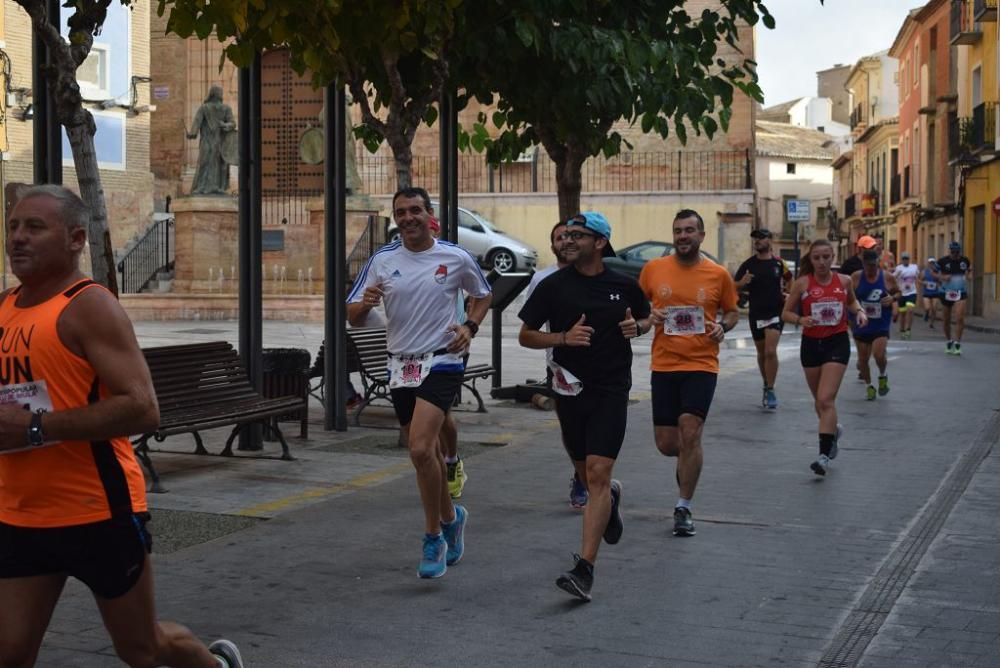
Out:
{"x": 73, "y": 386}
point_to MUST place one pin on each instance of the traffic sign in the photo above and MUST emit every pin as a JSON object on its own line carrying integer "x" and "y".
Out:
{"x": 797, "y": 210}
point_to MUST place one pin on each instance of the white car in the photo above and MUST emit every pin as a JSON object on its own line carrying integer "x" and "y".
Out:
{"x": 491, "y": 247}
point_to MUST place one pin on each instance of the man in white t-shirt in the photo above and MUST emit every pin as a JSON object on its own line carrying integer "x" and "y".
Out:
{"x": 578, "y": 495}
{"x": 419, "y": 279}
{"x": 906, "y": 275}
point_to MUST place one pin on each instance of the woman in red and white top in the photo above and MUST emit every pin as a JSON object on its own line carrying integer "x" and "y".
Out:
{"x": 819, "y": 301}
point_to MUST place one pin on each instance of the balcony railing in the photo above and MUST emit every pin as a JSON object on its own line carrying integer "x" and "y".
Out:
{"x": 850, "y": 206}
{"x": 985, "y": 10}
{"x": 906, "y": 182}
{"x": 894, "y": 189}
{"x": 857, "y": 116}
{"x": 964, "y": 27}
{"x": 984, "y": 126}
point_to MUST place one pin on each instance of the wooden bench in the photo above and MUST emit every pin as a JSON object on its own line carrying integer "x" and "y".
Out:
{"x": 202, "y": 386}
{"x": 368, "y": 346}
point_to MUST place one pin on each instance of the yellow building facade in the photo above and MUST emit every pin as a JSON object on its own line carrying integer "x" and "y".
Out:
{"x": 975, "y": 33}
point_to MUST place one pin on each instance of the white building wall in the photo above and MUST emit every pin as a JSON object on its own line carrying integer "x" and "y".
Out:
{"x": 813, "y": 180}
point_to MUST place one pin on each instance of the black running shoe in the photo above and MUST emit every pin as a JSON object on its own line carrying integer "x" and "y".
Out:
{"x": 579, "y": 580}
{"x": 615, "y": 526}
{"x": 683, "y": 523}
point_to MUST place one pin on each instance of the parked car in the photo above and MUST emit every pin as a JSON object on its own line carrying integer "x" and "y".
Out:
{"x": 631, "y": 259}
{"x": 490, "y": 246}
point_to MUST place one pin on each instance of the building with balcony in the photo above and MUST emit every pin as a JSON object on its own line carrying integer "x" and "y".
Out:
{"x": 874, "y": 155}
{"x": 114, "y": 81}
{"x": 872, "y": 91}
{"x": 922, "y": 190}
{"x": 975, "y": 154}
{"x": 793, "y": 162}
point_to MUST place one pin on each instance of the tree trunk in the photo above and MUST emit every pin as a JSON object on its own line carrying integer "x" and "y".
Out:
{"x": 65, "y": 57}
{"x": 402, "y": 158}
{"x": 569, "y": 183}
{"x": 81, "y": 140}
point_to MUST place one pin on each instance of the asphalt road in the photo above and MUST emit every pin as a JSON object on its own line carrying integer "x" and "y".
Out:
{"x": 890, "y": 560}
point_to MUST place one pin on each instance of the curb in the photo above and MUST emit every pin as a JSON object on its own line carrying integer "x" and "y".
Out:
{"x": 971, "y": 326}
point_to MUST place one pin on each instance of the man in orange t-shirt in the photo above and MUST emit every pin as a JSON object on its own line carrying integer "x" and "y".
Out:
{"x": 72, "y": 495}
{"x": 687, "y": 292}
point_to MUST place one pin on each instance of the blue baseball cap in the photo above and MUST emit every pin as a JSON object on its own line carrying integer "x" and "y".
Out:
{"x": 597, "y": 223}
{"x": 954, "y": 245}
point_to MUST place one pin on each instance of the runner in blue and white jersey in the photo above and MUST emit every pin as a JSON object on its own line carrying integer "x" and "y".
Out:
{"x": 419, "y": 279}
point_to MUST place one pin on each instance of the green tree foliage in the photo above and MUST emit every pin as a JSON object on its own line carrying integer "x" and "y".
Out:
{"x": 66, "y": 56}
{"x": 392, "y": 54}
{"x": 561, "y": 73}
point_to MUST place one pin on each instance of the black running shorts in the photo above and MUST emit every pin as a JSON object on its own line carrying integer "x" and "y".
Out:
{"x": 106, "y": 556}
{"x": 817, "y": 352}
{"x": 439, "y": 388}
{"x": 870, "y": 337}
{"x": 592, "y": 423}
{"x": 758, "y": 332}
{"x": 679, "y": 392}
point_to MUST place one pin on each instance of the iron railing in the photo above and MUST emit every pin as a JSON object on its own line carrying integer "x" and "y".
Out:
{"x": 669, "y": 171}
{"x": 984, "y": 126}
{"x": 894, "y": 189}
{"x": 907, "y": 189}
{"x": 985, "y": 10}
{"x": 850, "y": 206}
{"x": 374, "y": 236}
{"x": 964, "y": 29}
{"x": 286, "y": 206}
{"x": 152, "y": 254}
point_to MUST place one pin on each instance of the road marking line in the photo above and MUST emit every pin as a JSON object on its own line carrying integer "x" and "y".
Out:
{"x": 314, "y": 493}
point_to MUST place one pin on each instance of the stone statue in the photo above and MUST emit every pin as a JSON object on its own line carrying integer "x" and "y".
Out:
{"x": 311, "y": 147}
{"x": 213, "y": 122}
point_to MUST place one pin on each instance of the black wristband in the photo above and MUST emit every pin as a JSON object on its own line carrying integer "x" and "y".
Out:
{"x": 472, "y": 325}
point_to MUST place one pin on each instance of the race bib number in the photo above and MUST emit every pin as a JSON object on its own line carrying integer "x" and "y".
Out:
{"x": 33, "y": 396}
{"x": 408, "y": 370}
{"x": 684, "y": 321}
{"x": 563, "y": 382}
{"x": 930, "y": 286}
{"x": 953, "y": 295}
{"x": 909, "y": 285}
{"x": 873, "y": 310}
{"x": 761, "y": 324}
{"x": 827, "y": 314}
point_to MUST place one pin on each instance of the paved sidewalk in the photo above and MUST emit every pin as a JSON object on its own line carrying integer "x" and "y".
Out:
{"x": 312, "y": 562}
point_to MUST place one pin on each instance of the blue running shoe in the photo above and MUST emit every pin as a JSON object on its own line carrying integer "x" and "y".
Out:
{"x": 771, "y": 399}
{"x": 578, "y": 495}
{"x": 454, "y": 535}
{"x": 433, "y": 564}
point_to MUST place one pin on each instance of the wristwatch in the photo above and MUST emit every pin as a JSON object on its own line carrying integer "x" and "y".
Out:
{"x": 36, "y": 436}
{"x": 472, "y": 326}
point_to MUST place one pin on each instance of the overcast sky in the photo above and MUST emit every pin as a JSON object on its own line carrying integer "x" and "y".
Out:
{"x": 809, "y": 37}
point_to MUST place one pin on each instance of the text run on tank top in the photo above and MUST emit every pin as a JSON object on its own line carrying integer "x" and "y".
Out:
{"x": 826, "y": 305}
{"x": 870, "y": 295}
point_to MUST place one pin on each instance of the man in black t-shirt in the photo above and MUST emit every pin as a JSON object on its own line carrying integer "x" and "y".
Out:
{"x": 592, "y": 313}
{"x": 953, "y": 275}
{"x": 854, "y": 263}
{"x": 766, "y": 277}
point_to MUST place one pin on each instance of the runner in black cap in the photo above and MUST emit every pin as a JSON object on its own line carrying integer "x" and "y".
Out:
{"x": 766, "y": 277}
